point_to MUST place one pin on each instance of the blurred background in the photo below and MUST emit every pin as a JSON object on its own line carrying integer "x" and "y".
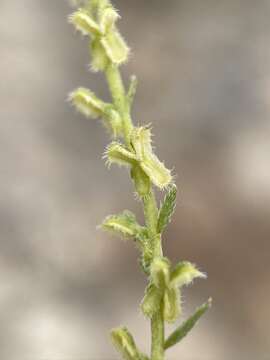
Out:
{"x": 204, "y": 83}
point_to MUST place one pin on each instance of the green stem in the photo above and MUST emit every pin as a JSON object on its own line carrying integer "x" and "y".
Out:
{"x": 119, "y": 97}
{"x": 118, "y": 93}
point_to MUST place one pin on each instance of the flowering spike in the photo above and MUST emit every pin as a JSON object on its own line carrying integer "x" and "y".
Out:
{"x": 84, "y": 23}
{"x": 184, "y": 273}
{"x": 87, "y": 103}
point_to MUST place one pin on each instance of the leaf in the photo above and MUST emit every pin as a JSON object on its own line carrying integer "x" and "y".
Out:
{"x": 172, "y": 305}
{"x": 185, "y": 328}
{"x": 167, "y": 208}
{"x": 125, "y": 344}
{"x": 123, "y": 224}
{"x": 151, "y": 301}
{"x": 132, "y": 89}
{"x": 184, "y": 273}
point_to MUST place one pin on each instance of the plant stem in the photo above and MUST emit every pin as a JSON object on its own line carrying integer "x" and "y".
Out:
{"x": 118, "y": 94}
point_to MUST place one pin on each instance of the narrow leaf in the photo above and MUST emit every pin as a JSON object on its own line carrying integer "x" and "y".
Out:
{"x": 185, "y": 328}
{"x": 125, "y": 344}
{"x": 167, "y": 208}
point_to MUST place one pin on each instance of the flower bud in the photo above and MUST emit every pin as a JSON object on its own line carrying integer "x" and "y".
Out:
{"x": 124, "y": 224}
{"x": 141, "y": 181}
{"x": 116, "y": 153}
{"x": 151, "y": 302}
{"x": 171, "y": 304}
{"x": 87, "y": 103}
{"x": 108, "y": 18}
{"x": 115, "y": 47}
{"x": 124, "y": 344}
{"x": 100, "y": 59}
{"x": 160, "y": 272}
{"x": 84, "y": 23}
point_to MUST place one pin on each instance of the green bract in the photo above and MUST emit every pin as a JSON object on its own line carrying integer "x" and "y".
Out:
{"x": 131, "y": 147}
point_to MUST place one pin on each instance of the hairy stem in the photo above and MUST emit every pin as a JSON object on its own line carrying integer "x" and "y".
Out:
{"x": 118, "y": 94}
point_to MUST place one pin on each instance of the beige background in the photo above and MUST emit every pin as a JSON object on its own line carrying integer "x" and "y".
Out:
{"x": 204, "y": 78}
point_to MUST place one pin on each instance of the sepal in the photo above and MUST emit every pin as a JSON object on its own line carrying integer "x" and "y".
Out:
{"x": 160, "y": 272}
{"x": 151, "y": 301}
{"x": 184, "y": 273}
{"x": 171, "y": 304}
{"x": 125, "y": 344}
{"x": 100, "y": 59}
{"x": 141, "y": 181}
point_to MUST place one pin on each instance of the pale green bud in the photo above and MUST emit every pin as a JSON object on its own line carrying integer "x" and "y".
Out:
{"x": 113, "y": 121}
{"x": 123, "y": 224}
{"x": 84, "y": 23}
{"x": 108, "y": 18}
{"x": 87, "y": 103}
{"x": 125, "y": 344}
{"x": 160, "y": 272}
{"x": 141, "y": 181}
{"x": 171, "y": 304}
{"x": 151, "y": 302}
{"x": 100, "y": 59}
{"x": 184, "y": 273}
{"x": 116, "y": 153}
{"x": 115, "y": 47}
{"x": 153, "y": 168}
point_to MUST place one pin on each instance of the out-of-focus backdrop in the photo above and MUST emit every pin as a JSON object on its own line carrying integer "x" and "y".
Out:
{"x": 204, "y": 83}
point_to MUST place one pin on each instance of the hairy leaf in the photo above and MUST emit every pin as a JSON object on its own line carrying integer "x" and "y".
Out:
{"x": 185, "y": 328}
{"x": 167, "y": 208}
